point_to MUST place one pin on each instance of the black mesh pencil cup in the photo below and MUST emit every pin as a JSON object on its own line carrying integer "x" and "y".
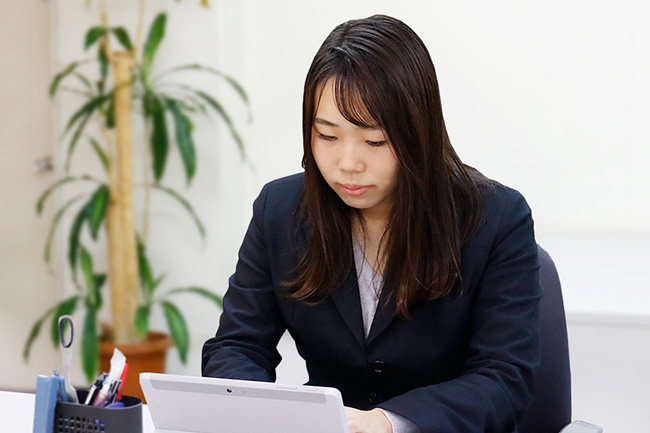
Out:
{"x": 79, "y": 418}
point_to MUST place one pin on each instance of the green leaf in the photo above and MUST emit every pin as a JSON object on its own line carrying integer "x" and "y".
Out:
{"x": 196, "y": 104}
{"x": 226, "y": 118}
{"x": 142, "y": 320}
{"x": 84, "y": 80}
{"x": 177, "y": 329}
{"x": 93, "y": 300}
{"x": 123, "y": 36}
{"x": 104, "y": 65}
{"x": 60, "y": 76}
{"x": 90, "y": 346}
{"x": 86, "y": 262}
{"x": 158, "y": 280}
{"x": 75, "y": 234}
{"x": 75, "y": 91}
{"x": 183, "y": 138}
{"x": 65, "y": 307}
{"x": 159, "y": 139}
{"x": 74, "y": 140}
{"x": 93, "y": 35}
{"x": 146, "y": 276}
{"x": 100, "y": 279}
{"x": 36, "y": 329}
{"x": 55, "y": 223}
{"x": 148, "y": 98}
{"x": 100, "y": 152}
{"x": 185, "y": 204}
{"x": 97, "y": 209}
{"x": 208, "y": 294}
{"x": 230, "y": 80}
{"x": 100, "y": 85}
{"x": 186, "y": 106}
{"x": 82, "y": 116}
{"x": 156, "y": 34}
{"x": 110, "y": 114}
{"x": 86, "y": 109}
{"x": 214, "y": 104}
{"x": 48, "y": 192}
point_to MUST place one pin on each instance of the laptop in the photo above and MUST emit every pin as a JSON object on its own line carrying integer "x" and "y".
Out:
{"x": 189, "y": 404}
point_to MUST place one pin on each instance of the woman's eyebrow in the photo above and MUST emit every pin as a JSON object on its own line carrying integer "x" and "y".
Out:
{"x": 321, "y": 121}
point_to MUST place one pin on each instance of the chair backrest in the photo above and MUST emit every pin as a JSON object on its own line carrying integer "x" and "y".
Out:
{"x": 551, "y": 407}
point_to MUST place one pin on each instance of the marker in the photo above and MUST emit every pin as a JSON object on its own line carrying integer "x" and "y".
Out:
{"x": 92, "y": 392}
{"x": 123, "y": 379}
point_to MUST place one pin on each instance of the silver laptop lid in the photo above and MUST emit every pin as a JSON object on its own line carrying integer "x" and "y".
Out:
{"x": 208, "y": 405}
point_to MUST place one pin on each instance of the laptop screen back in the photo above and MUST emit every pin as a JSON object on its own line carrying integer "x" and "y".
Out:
{"x": 208, "y": 405}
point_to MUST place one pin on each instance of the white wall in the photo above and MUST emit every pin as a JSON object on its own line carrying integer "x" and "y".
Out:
{"x": 26, "y": 287}
{"x": 549, "y": 97}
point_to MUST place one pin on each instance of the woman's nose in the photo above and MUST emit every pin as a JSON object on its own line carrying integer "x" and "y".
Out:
{"x": 350, "y": 159}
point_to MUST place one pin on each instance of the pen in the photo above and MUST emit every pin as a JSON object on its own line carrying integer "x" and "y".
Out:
{"x": 93, "y": 389}
{"x": 112, "y": 393}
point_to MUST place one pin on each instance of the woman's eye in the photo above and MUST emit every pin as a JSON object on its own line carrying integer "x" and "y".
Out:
{"x": 326, "y": 137}
{"x": 376, "y": 143}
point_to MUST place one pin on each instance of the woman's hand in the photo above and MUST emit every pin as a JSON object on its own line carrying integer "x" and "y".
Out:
{"x": 367, "y": 421}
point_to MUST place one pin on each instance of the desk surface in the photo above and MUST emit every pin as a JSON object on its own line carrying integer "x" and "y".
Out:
{"x": 17, "y": 413}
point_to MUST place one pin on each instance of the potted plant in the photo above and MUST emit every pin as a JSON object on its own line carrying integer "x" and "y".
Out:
{"x": 126, "y": 85}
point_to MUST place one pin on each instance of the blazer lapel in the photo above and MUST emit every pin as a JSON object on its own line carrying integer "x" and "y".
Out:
{"x": 383, "y": 316}
{"x": 347, "y": 301}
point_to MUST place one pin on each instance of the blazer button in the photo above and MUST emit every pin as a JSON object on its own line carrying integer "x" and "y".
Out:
{"x": 373, "y": 398}
{"x": 378, "y": 366}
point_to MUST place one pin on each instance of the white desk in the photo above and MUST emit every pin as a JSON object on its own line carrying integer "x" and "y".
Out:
{"x": 17, "y": 413}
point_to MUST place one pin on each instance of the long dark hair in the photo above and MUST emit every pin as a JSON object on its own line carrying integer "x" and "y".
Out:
{"x": 384, "y": 76}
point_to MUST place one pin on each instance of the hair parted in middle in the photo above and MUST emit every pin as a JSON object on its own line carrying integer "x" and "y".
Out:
{"x": 383, "y": 76}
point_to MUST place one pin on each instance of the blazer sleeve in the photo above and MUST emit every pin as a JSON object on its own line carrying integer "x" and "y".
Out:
{"x": 497, "y": 383}
{"x": 251, "y": 325}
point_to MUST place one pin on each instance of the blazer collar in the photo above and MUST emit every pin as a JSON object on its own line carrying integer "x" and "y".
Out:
{"x": 384, "y": 315}
{"x": 348, "y": 303}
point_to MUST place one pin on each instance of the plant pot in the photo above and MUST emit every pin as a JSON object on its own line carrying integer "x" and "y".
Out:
{"x": 147, "y": 356}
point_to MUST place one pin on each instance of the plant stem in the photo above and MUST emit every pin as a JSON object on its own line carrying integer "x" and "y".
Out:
{"x": 106, "y": 43}
{"x": 114, "y": 226}
{"x": 138, "y": 41}
{"x": 125, "y": 299}
{"x": 147, "y": 139}
{"x": 147, "y": 182}
{"x": 120, "y": 226}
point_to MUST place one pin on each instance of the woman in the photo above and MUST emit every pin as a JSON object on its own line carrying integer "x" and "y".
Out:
{"x": 407, "y": 279}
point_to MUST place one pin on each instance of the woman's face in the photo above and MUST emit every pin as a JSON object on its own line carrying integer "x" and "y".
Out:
{"x": 357, "y": 162}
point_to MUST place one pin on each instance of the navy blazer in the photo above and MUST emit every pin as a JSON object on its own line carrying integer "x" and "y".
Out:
{"x": 464, "y": 363}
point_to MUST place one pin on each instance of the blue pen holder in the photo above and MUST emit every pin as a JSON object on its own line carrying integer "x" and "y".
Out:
{"x": 79, "y": 418}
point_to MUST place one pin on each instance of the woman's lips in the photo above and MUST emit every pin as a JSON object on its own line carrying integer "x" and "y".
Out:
{"x": 354, "y": 190}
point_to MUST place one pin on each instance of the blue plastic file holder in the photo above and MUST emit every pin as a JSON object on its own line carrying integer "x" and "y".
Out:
{"x": 79, "y": 418}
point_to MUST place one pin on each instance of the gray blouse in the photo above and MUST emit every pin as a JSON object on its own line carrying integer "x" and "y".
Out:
{"x": 370, "y": 284}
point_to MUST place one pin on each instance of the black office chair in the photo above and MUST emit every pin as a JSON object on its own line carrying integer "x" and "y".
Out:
{"x": 550, "y": 411}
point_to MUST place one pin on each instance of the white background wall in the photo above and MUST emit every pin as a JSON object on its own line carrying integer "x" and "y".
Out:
{"x": 551, "y": 98}
{"x": 26, "y": 287}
